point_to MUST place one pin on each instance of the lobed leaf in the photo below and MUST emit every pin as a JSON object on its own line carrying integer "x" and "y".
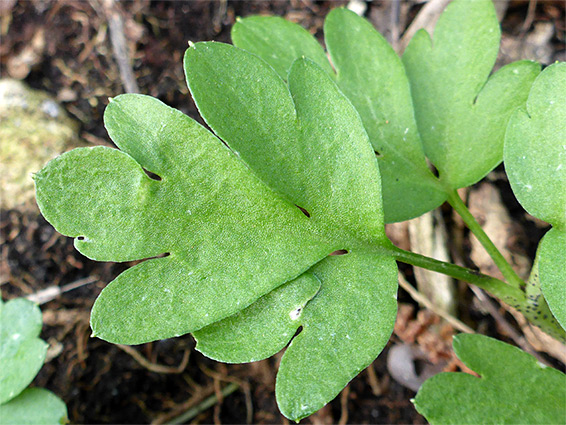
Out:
{"x": 304, "y": 140}
{"x": 308, "y": 143}
{"x": 34, "y": 406}
{"x": 345, "y": 327}
{"x": 229, "y": 238}
{"x": 535, "y": 148}
{"x": 371, "y": 75}
{"x": 513, "y": 387}
{"x": 461, "y": 113}
{"x": 22, "y": 353}
{"x": 535, "y": 161}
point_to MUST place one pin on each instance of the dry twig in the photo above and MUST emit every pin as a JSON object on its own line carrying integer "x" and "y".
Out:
{"x": 421, "y": 299}
{"x": 154, "y": 367}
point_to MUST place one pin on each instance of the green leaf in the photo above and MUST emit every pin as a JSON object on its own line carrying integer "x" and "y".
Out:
{"x": 34, "y": 406}
{"x": 372, "y": 76}
{"x": 278, "y": 42}
{"x": 306, "y": 140}
{"x": 461, "y": 114}
{"x": 262, "y": 329}
{"x": 21, "y": 351}
{"x": 513, "y": 389}
{"x": 535, "y": 161}
{"x": 535, "y": 148}
{"x": 551, "y": 272}
{"x": 229, "y": 238}
{"x": 345, "y": 327}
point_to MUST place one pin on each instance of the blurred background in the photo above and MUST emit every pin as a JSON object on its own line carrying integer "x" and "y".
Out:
{"x": 59, "y": 63}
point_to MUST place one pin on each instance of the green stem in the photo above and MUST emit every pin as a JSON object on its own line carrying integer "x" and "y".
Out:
{"x": 509, "y": 294}
{"x": 510, "y": 275}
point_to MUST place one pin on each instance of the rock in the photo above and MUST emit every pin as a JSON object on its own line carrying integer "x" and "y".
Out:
{"x": 35, "y": 129}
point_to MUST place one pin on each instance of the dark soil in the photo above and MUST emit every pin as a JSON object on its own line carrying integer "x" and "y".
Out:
{"x": 100, "y": 382}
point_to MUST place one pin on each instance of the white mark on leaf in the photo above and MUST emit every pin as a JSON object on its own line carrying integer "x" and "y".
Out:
{"x": 16, "y": 336}
{"x": 295, "y": 314}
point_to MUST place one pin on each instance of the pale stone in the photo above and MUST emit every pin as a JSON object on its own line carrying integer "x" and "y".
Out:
{"x": 34, "y": 129}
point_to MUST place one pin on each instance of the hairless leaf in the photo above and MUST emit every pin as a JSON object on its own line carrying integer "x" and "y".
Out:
{"x": 535, "y": 161}
{"x": 230, "y": 239}
{"x": 278, "y": 42}
{"x": 513, "y": 387}
{"x": 262, "y": 329}
{"x": 308, "y": 143}
{"x": 21, "y": 351}
{"x": 551, "y": 272}
{"x": 372, "y": 76}
{"x": 535, "y": 148}
{"x": 345, "y": 327}
{"x": 34, "y": 406}
{"x": 306, "y": 140}
{"x": 461, "y": 114}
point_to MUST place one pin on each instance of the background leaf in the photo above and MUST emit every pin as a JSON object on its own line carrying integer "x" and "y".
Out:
{"x": 513, "y": 389}
{"x": 230, "y": 239}
{"x": 21, "y": 351}
{"x": 34, "y": 406}
{"x": 372, "y": 76}
{"x": 535, "y": 161}
{"x": 461, "y": 114}
{"x": 278, "y": 42}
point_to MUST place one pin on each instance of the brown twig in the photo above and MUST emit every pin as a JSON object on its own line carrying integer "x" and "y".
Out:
{"x": 421, "y": 299}
{"x": 118, "y": 40}
{"x": 154, "y": 367}
{"x": 373, "y": 381}
{"x": 344, "y": 406}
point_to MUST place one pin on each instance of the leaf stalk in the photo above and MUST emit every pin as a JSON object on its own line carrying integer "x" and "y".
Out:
{"x": 502, "y": 264}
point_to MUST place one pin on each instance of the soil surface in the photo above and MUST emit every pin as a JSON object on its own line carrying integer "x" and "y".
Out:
{"x": 65, "y": 48}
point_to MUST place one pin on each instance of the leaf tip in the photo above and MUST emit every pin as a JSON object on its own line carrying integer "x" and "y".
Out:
{"x": 191, "y": 44}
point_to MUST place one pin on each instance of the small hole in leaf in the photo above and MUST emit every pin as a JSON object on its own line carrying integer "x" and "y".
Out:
{"x": 152, "y": 176}
{"x": 305, "y": 212}
{"x": 81, "y": 238}
{"x": 433, "y": 169}
{"x": 339, "y": 252}
{"x": 377, "y": 154}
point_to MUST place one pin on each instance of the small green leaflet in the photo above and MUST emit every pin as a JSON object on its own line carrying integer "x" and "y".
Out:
{"x": 461, "y": 113}
{"x": 535, "y": 161}
{"x": 513, "y": 388}
{"x": 22, "y": 352}
{"x": 445, "y": 82}
{"x": 34, "y": 406}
